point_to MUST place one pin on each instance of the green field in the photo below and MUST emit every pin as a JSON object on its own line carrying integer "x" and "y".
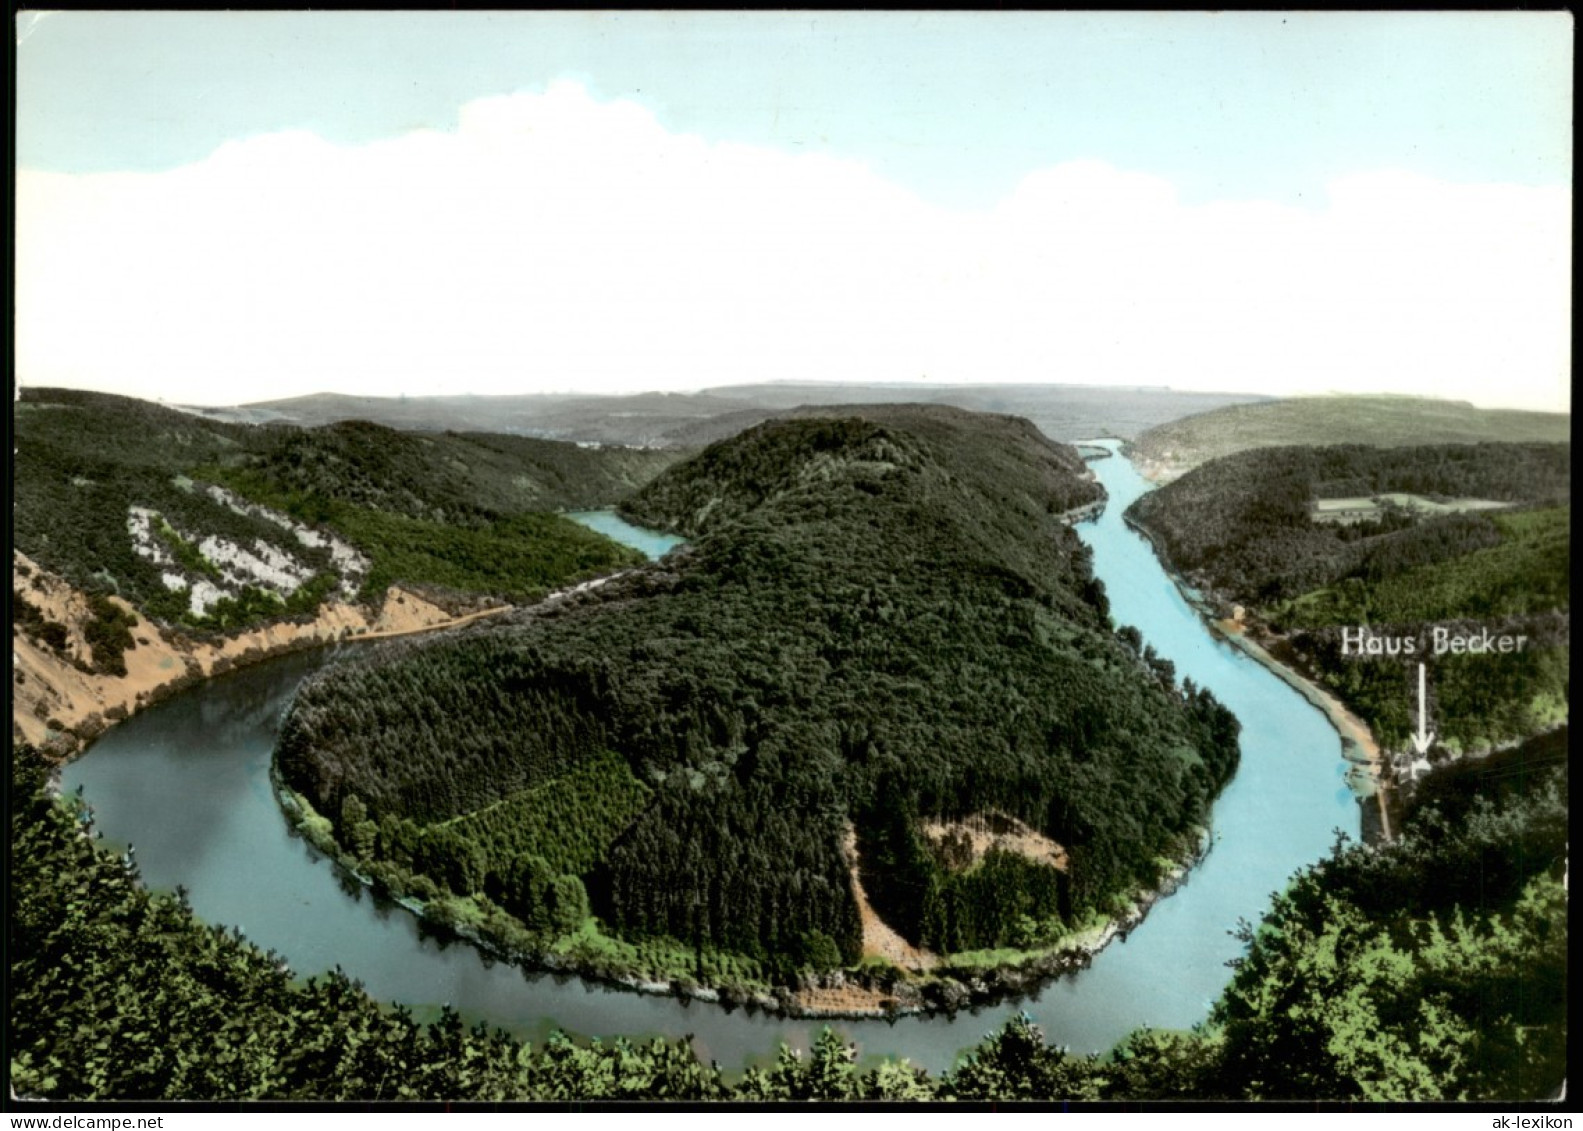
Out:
{"x": 1369, "y": 508}
{"x": 520, "y": 558}
{"x": 568, "y": 822}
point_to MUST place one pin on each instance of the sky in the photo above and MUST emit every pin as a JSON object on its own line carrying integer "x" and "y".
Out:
{"x": 217, "y": 208}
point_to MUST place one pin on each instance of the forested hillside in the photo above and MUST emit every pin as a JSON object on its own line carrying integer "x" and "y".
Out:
{"x": 1466, "y": 537}
{"x": 214, "y": 525}
{"x": 878, "y": 618}
{"x": 1176, "y": 446}
{"x": 1432, "y": 969}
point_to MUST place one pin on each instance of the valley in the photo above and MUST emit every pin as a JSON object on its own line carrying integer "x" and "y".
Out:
{"x": 871, "y": 562}
{"x": 694, "y": 559}
{"x": 1478, "y": 596}
{"x": 850, "y": 626}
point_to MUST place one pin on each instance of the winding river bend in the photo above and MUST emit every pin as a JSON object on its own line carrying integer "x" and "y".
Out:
{"x": 187, "y": 783}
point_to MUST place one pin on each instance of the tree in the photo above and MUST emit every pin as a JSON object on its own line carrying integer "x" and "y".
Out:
{"x": 1016, "y": 1064}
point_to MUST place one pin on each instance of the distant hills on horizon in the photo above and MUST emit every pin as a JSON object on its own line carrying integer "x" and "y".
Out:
{"x": 687, "y": 420}
{"x": 1173, "y": 447}
{"x": 1167, "y": 430}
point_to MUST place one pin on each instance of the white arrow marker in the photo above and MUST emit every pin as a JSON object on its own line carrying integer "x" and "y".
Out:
{"x": 1425, "y": 738}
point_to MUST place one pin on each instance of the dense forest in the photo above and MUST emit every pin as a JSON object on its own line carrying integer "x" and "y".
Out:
{"x": 1433, "y": 968}
{"x": 1247, "y": 529}
{"x": 211, "y": 525}
{"x": 1246, "y": 522}
{"x": 879, "y": 617}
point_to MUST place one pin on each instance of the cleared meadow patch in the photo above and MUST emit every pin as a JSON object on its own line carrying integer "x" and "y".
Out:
{"x": 1367, "y": 508}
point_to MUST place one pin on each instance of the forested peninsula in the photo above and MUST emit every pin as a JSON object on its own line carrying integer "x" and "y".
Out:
{"x": 1322, "y": 549}
{"x": 882, "y": 665}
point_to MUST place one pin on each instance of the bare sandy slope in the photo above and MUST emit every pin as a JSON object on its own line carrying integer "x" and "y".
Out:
{"x": 57, "y": 705}
{"x": 879, "y": 940}
{"x": 997, "y": 830}
{"x": 842, "y": 1000}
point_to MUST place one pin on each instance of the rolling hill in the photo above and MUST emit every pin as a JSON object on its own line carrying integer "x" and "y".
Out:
{"x": 154, "y": 547}
{"x": 215, "y": 524}
{"x": 1460, "y": 537}
{"x": 693, "y": 420}
{"x": 1168, "y": 449}
{"x": 881, "y": 619}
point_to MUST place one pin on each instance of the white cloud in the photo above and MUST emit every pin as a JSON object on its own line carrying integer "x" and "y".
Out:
{"x": 552, "y": 242}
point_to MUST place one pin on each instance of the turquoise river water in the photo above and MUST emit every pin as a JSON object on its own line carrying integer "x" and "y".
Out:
{"x": 187, "y": 782}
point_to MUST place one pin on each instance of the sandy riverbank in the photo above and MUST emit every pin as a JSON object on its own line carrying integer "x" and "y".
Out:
{"x": 1358, "y": 744}
{"x": 59, "y": 703}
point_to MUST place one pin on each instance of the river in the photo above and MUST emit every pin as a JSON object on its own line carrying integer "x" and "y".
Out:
{"x": 187, "y": 783}
{"x": 612, "y": 525}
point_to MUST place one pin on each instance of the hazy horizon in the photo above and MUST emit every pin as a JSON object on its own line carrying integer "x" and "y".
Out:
{"x": 222, "y": 208}
{"x": 815, "y": 385}
{"x": 722, "y": 392}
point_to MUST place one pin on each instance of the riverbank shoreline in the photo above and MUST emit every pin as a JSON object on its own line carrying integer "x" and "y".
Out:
{"x": 1172, "y": 964}
{"x": 61, "y": 704}
{"x": 1356, "y": 737}
{"x": 870, "y": 990}
{"x": 888, "y": 992}
{"x": 1353, "y": 732}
